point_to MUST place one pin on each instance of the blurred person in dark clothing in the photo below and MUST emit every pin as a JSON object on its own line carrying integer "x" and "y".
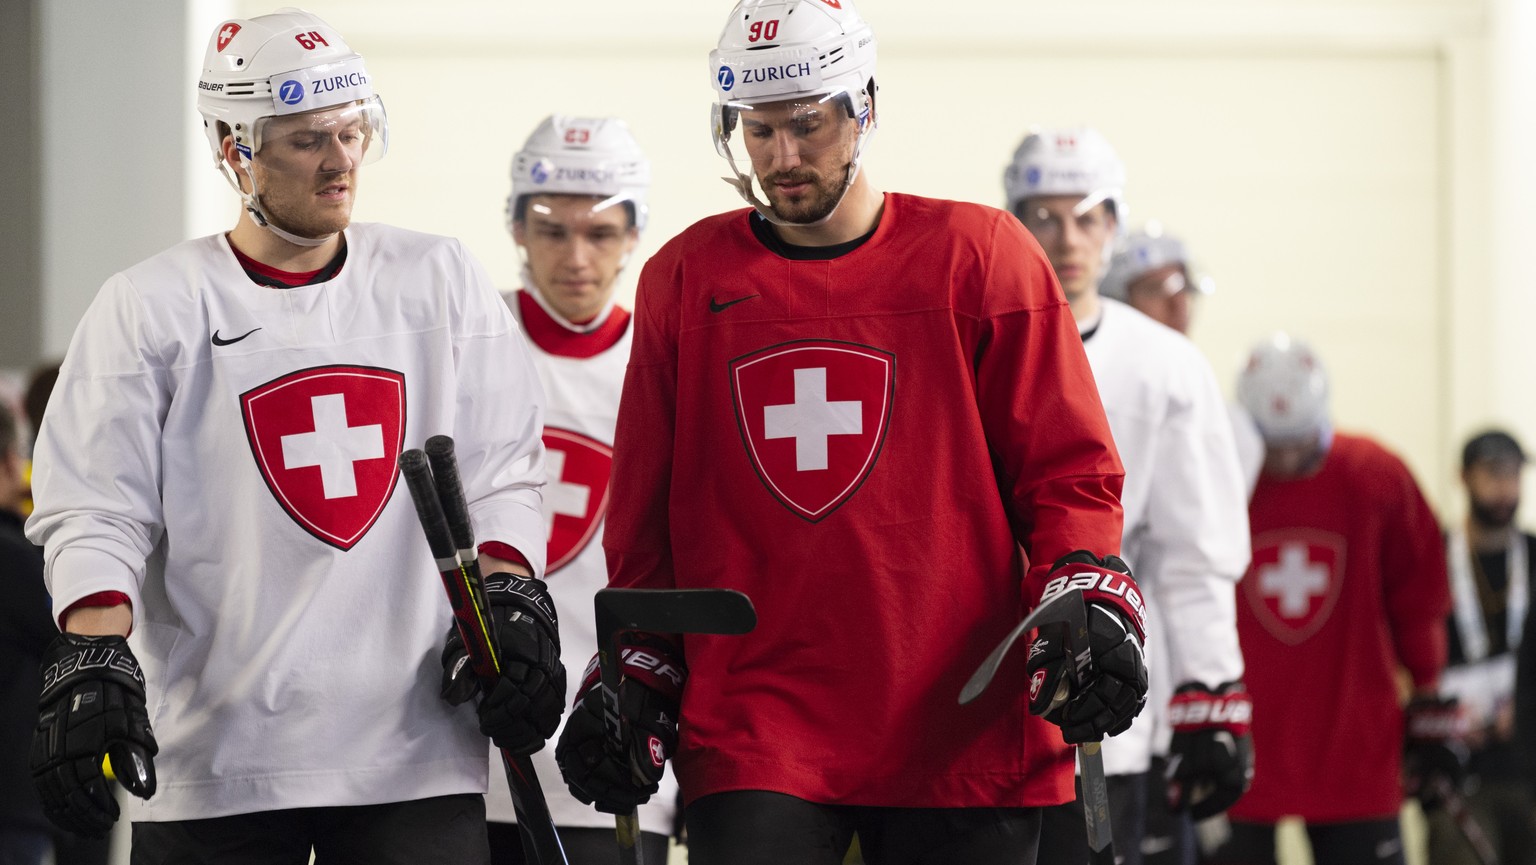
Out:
{"x": 1489, "y": 560}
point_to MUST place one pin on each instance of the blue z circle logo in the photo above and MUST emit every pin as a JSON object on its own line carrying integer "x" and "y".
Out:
{"x": 726, "y": 77}
{"x": 292, "y": 92}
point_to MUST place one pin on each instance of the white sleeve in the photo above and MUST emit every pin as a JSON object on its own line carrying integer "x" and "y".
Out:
{"x": 96, "y": 468}
{"x": 499, "y": 425}
{"x": 1198, "y": 520}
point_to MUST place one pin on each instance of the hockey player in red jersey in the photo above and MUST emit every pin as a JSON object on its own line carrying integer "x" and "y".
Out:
{"x": 218, "y": 474}
{"x": 1347, "y": 586}
{"x": 862, "y": 409}
{"x": 577, "y": 207}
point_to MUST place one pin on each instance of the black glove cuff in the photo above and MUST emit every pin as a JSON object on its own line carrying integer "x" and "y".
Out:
{"x": 73, "y": 657}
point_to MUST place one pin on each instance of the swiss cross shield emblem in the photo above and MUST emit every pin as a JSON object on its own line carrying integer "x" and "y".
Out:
{"x": 813, "y": 416}
{"x": 326, "y": 441}
{"x": 577, "y": 469}
{"x": 226, "y": 33}
{"x": 1293, "y": 583}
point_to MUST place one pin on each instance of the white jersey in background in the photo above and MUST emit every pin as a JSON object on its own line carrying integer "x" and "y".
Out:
{"x": 582, "y": 372}
{"x": 287, "y": 612}
{"x": 1186, "y": 512}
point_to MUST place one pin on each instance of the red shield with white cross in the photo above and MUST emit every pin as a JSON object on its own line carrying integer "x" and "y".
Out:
{"x": 1293, "y": 583}
{"x": 326, "y": 441}
{"x": 226, "y": 33}
{"x": 813, "y": 415}
{"x": 576, "y": 471}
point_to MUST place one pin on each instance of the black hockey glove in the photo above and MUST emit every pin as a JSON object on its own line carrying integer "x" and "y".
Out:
{"x": 92, "y": 705}
{"x": 649, "y": 696}
{"x": 1434, "y": 753}
{"x": 1210, "y": 761}
{"x": 522, "y": 709}
{"x": 1114, "y": 687}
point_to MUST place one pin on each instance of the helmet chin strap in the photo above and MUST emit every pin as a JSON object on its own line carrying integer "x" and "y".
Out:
{"x": 742, "y": 183}
{"x": 253, "y": 207}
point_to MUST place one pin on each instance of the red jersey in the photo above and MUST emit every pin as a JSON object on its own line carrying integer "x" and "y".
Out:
{"x": 1347, "y": 584}
{"x": 868, "y": 446}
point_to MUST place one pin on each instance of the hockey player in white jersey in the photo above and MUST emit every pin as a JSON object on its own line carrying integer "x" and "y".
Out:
{"x": 1186, "y": 530}
{"x": 217, "y": 474}
{"x": 1151, "y": 272}
{"x": 577, "y": 207}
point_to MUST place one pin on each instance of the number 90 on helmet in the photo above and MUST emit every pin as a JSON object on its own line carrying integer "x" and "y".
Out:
{"x": 814, "y": 61}
{"x": 280, "y": 65}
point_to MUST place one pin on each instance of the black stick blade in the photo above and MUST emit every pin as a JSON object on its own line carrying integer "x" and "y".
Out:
{"x": 1066, "y": 607}
{"x": 675, "y": 611}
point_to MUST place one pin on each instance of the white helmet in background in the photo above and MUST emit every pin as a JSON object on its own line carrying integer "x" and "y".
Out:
{"x": 819, "y": 51}
{"x": 1285, "y": 389}
{"x": 1067, "y": 161}
{"x": 595, "y": 156}
{"x": 1144, "y": 251}
{"x": 271, "y": 66}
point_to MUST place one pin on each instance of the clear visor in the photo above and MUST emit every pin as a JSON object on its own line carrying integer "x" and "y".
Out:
{"x": 329, "y": 139}
{"x": 604, "y": 223}
{"x": 790, "y": 149}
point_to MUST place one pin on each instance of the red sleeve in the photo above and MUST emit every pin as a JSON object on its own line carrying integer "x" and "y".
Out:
{"x": 637, "y": 533}
{"x": 1418, "y": 595}
{"x": 1040, "y": 407}
{"x": 505, "y": 552}
{"x": 99, "y": 599}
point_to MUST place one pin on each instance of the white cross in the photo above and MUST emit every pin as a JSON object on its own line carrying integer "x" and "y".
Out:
{"x": 228, "y": 32}
{"x": 333, "y": 446}
{"x": 811, "y": 420}
{"x": 1294, "y": 580}
{"x": 561, "y": 497}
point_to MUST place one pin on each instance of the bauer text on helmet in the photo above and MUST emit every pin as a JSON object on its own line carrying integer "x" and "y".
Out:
{"x": 286, "y": 74}
{"x": 794, "y": 87}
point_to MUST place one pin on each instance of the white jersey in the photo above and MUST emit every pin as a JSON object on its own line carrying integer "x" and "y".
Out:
{"x": 582, "y": 375}
{"x": 1186, "y": 512}
{"x": 224, "y": 453}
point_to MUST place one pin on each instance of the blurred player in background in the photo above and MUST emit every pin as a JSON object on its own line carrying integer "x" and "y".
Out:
{"x": 1346, "y": 587}
{"x": 1151, "y": 272}
{"x": 1186, "y": 532}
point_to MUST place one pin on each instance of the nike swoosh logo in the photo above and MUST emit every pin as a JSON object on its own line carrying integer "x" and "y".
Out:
{"x": 232, "y": 340}
{"x": 717, "y": 306}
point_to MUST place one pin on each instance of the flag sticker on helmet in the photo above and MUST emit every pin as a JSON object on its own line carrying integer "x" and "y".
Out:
{"x": 227, "y": 33}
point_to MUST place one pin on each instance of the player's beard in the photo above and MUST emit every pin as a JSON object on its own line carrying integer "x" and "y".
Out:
{"x": 292, "y": 207}
{"x": 1493, "y": 515}
{"x": 811, "y": 206}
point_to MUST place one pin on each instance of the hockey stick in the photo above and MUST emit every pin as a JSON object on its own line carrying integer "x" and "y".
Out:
{"x": 1465, "y": 822}
{"x": 1066, "y": 610}
{"x": 444, "y": 516}
{"x": 661, "y": 611}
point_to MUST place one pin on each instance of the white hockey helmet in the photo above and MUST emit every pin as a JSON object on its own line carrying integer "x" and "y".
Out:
{"x": 594, "y": 156}
{"x": 1146, "y": 250}
{"x": 818, "y": 51}
{"x": 1066, "y": 161}
{"x": 286, "y": 63}
{"x": 1285, "y": 389}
